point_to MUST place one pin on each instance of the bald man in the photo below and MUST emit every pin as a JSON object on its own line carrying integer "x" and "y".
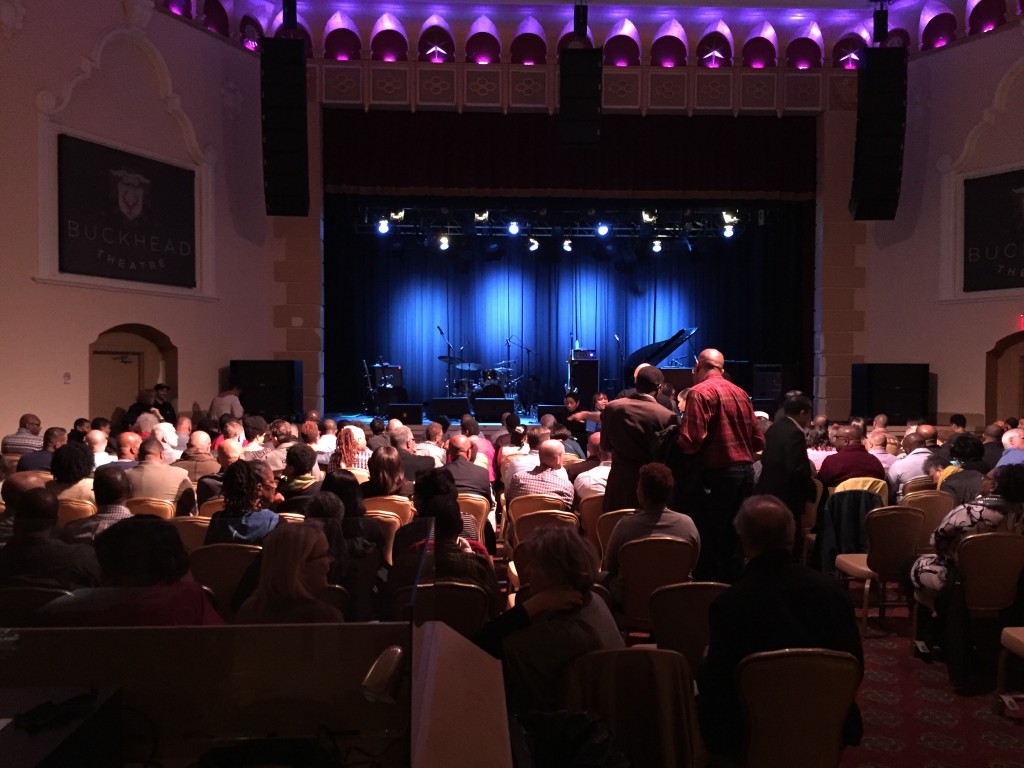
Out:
{"x": 910, "y": 466}
{"x": 719, "y": 427}
{"x": 196, "y": 459}
{"x": 128, "y": 450}
{"x": 97, "y": 439}
{"x": 469, "y": 477}
{"x": 211, "y": 486}
{"x": 13, "y": 487}
{"x": 851, "y": 459}
{"x": 877, "y": 441}
{"x": 548, "y": 477}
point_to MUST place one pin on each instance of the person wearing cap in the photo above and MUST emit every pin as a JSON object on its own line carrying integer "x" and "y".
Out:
{"x": 161, "y": 405}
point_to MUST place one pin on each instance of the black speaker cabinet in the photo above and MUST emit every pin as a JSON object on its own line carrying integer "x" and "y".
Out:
{"x": 407, "y": 413}
{"x": 579, "y": 95}
{"x": 585, "y": 379}
{"x": 270, "y": 388}
{"x": 900, "y": 390}
{"x": 283, "y": 114}
{"x": 489, "y": 409}
{"x": 881, "y": 129}
{"x": 452, "y": 407}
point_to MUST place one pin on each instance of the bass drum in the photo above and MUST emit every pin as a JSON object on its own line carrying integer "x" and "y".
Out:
{"x": 489, "y": 389}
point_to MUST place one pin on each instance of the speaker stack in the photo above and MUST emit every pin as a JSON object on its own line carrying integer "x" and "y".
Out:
{"x": 900, "y": 390}
{"x": 881, "y": 129}
{"x": 270, "y": 388}
{"x": 283, "y": 116}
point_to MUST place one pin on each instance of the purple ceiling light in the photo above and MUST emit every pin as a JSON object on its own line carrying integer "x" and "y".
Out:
{"x": 529, "y": 45}
{"x": 760, "y": 51}
{"x": 249, "y": 32}
{"x": 566, "y": 35}
{"x": 622, "y": 46}
{"x": 483, "y": 44}
{"x": 341, "y": 39}
{"x": 938, "y": 26}
{"x": 849, "y": 50}
{"x": 388, "y": 41}
{"x": 436, "y": 44}
{"x": 215, "y": 18}
{"x": 805, "y": 51}
{"x": 181, "y": 8}
{"x": 715, "y": 47}
{"x": 985, "y": 15}
{"x": 669, "y": 46}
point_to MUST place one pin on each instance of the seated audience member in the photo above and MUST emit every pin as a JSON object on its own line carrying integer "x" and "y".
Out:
{"x": 142, "y": 565}
{"x": 35, "y": 556}
{"x": 1001, "y": 505}
{"x": 128, "y": 444}
{"x": 153, "y": 479}
{"x": 386, "y": 475}
{"x": 509, "y": 421}
{"x": 561, "y": 433}
{"x": 196, "y": 459}
{"x": 26, "y": 439}
{"x": 851, "y": 459}
{"x": 958, "y": 423}
{"x": 378, "y": 436}
{"x": 962, "y": 480}
{"x": 183, "y": 429}
{"x": 226, "y": 402}
{"x": 230, "y": 429}
{"x": 97, "y": 442}
{"x": 548, "y": 477}
{"x": 881, "y": 421}
{"x": 469, "y": 477}
{"x": 356, "y": 524}
{"x": 1013, "y": 447}
{"x": 352, "y": 451}
{"x": 328, "y": 437}
{"x": 593, "y": 458}
{"x": 164, "y": 432}
{"x": 592, "y": 482}
{"x": 481, "y": 445}
{"x": 77, "y": 432}
{"x": 774, "y": 604}
{"x": 516, "y": 446}
{"x": 819, "y": 447}
{"x": 71, "y": 468}
{"x": 249, "y": 489}
{"x": 910, "y": 466}
{"x": 298, "y": 485}
{"x": 144, "y": 425}
{"x": 254, "y": 429}
{"x": 436, "y": 483}
{"x": 209, "y": 486}
{"x": 562, "y": 620}
{"x": 281, "y": 436}
{"x": 413, "y": 466}
{"x": 877, "y": 441}
{"x": 653, "y": 518}
{"x": 111, "y": 489}
{"x": 39, "y": 461}
{"x": 12, "y": 489}
{"x": 309, "y": 435}
{"x": 992, "y": 440}
{"x": 432, "y": 444}
{"x": 294, "y": 566}
{"x": 531, "y": 458}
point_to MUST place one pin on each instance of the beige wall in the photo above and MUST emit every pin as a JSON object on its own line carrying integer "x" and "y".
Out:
{"x": 965, "y": 117}
{"x": 122, "y": 74}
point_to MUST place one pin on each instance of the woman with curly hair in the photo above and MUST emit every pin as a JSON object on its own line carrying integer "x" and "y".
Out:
{"x": 72, "y": 466}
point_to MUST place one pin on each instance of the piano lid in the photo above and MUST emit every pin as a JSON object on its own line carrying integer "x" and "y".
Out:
{"x": 658, "y": 352}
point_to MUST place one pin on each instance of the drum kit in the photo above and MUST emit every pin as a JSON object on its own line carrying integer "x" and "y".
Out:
{"x": 473, "y": 380}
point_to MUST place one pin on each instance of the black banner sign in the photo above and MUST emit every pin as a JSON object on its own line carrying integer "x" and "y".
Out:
{"x": 124, "y": 216}
{"x": 994, "y": 232}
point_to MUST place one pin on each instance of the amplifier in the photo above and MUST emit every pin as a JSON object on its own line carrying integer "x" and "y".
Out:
{"x": 584, "y": 354}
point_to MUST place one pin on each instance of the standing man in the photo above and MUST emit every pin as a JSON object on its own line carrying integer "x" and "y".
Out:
{"x": 630, "y": 428}
{"x": 719, "y": 426}
{"x": 786, "y": 472}
{"x": 161, "y": 405}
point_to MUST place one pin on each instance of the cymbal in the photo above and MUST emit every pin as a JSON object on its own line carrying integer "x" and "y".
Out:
{"x": 503, "y": 370}
{"x": 502, "y": 364}
{"x": 449, "y": 359}
{"x": 469, "y": 367}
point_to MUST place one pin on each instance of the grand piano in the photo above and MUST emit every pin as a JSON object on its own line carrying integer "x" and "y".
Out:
{"x": 677, "y": 374}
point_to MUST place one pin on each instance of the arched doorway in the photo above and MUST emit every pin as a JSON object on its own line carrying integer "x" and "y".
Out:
{"x": 1004, "y": 378}
{"x": 123, "y": 362}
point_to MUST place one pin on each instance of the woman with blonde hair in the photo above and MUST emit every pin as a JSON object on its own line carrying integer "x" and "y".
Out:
{"x": 295, "y": 561}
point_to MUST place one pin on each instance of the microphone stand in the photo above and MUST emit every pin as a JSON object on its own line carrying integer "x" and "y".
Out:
{"x": 509, "y": 342}
{"x": 450, "y": 356}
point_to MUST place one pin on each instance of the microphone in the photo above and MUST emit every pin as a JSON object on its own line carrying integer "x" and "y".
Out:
{"x": 616, "y": 336}
{"x": 508, "y": 340}
{"x": 439, "y": 330}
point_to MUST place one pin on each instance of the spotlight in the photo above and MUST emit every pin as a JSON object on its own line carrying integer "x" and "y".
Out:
{"x": 513, "y": 228}
{"x": 649, "y": 217}
{"x": 567, "y": 246}
{"x": 383, "y": 227}
{"x": 398, "y": 216}
{"x": 602, "y": 229}
{"x": 656, "y": 246}
{"x": 729, "y": 218}
{"x": 534, "y": 244}
{"x": 443, "y": 243}
{"x": 727, "y": 230}
{"x": 481, "y": 217}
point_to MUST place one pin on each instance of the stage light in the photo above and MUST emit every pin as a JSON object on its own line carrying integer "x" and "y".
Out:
{"x": 729, "y": 218}
{"x": 443, "y": 243}
{"x": 513, "y": 228}
{"x": 656, "y": 246}
{"x": 398, "y": 216}
{"x": 567, "y": 246}
{"x": 534, "y": 244}
{"x": 481, "y": 217}
{"x": 602, "y": 229}
{"x": 727, "y": 231}
{"x": 383, "y": 227}
{"x": 649, "y": 217}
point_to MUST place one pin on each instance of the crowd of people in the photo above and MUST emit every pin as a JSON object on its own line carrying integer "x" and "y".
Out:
{"x": 699, "y": 465}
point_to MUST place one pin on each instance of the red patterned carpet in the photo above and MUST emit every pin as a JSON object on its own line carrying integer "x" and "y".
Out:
{"x": 912, "y": 717}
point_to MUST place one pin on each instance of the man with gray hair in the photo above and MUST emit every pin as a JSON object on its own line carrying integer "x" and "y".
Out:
{"x": 774, "y": 604}
{"x": 1013, "y": 448}
{"x": 164, "y": 432}
{"x": 413, "y": 466}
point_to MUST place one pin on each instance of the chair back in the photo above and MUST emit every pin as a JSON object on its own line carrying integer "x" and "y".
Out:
{"x": 210, "y": 506}
{"x": 12, "y": 460}
{"x": 795, "y": 702}
{"x": 74, "y": 509}
{"x": 679, "y": 617}
{"x": 648, "y": 563}
{"x": 606, "y": 524}
{"x": 335, "y": 595}
{"x": 590, "y": 509}
{"x": 463, "y": 607}
{"x": 570, "y": 458}
{"x": 935, "y": 505}
{"x": 221, "y": 567}
{"x": 918, "y": 484}
{"x": 191, "y": 531}
{"x": 872, "y": 484}
{"x": 532, "y": 502}
{"x": 291, "y": 517}
{"x": 476, "y": 505}
{"x": 362, "y": 475}
{"x": 645, "y": 697}
{"x": 146, "y": 506}
{"x": 399, "y": 505}
{"x": 528, "y": 524}
{"x": 19, "y": 604}
{"x": 990, "y": 566}
{"x": 893, "y": 533}
{"x": 390, "y": 523}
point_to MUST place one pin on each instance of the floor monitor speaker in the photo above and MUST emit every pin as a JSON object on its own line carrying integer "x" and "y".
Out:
{"x": 452, "y": 407}
{"x": 490, "y": 409}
